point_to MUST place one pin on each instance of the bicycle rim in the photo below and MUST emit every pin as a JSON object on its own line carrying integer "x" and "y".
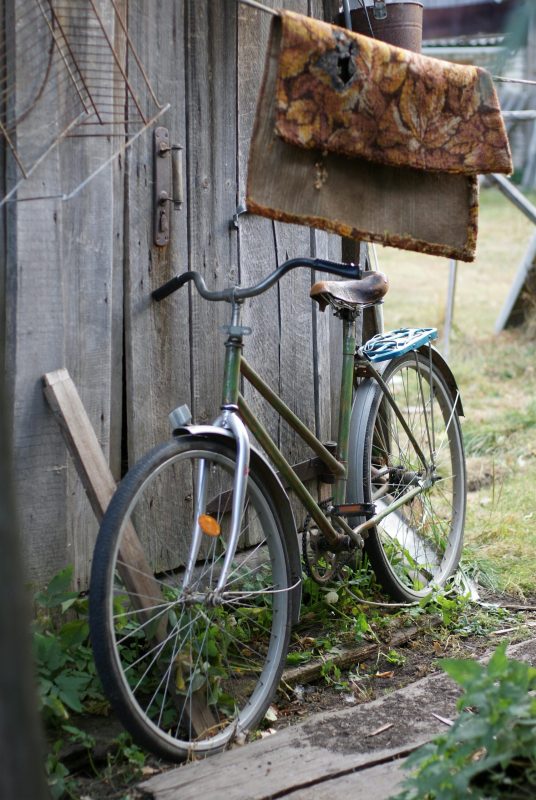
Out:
{"x": 417, "y": 546}
{"x": 185, "y": 673}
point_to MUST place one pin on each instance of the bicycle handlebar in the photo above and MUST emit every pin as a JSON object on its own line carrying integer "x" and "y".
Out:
{"x": 234, "y": 293}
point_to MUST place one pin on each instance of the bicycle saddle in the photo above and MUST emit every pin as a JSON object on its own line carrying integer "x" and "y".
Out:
{"x": 350, "y": 294}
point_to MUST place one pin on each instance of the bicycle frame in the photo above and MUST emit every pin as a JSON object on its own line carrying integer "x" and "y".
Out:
{"x": 233, "y": 401}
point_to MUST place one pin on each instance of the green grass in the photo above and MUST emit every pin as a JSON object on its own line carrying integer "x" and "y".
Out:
{"x": 497, "y": 378}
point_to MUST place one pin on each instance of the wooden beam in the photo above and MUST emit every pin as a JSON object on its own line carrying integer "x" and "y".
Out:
{"x": 348, "y": 657}
{"x": 99, "y": 485}
{"x": 80, "y": 439}
{"x": 515, "y": 306}
{"x": 515, "y": 196}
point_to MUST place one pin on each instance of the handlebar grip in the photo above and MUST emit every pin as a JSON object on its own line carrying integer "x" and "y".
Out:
{"x": 170, "y": 286}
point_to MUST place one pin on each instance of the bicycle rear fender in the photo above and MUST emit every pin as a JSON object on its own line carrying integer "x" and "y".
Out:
{"x": 441, "y": 365}
{"x": 362, "y": 403}
{"x": 271, "y": 481}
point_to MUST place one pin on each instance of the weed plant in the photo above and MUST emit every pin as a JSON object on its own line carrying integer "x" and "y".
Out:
{"x": 489, "y": 753}
{"x": 68, "y": 686}
{"x": 497, "y": 379}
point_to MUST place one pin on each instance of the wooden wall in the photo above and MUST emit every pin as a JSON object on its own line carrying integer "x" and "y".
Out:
{"x": 79, "y": 276}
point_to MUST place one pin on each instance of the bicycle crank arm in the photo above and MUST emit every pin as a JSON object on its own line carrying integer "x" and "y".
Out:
{"x": 405, "y": 498}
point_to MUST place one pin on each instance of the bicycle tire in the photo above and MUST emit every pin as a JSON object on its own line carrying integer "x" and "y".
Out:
{"x": 418, "y": 546}
{"x": 182, "y": 675}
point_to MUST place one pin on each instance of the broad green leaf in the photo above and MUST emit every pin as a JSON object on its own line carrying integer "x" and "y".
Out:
{"x": 461, "y": 670}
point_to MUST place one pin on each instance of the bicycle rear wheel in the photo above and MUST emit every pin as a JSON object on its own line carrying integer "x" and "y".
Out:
{"x": 184, "y": 671}
{"x": 419, "y": 544}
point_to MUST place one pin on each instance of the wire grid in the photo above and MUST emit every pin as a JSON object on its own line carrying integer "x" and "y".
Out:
{"x": 73, "y": 55}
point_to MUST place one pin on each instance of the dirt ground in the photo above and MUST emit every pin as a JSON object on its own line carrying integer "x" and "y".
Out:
{"x": 365, "y": 681}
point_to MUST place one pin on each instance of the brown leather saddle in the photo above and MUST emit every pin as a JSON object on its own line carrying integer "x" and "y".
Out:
{"x": 351, "y": 294}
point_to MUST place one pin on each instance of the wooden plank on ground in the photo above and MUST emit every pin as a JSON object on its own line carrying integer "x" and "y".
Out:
{"x": 325, "y": 748}
{"x": 348, "y": 656}
{"x": 374, "y": 783}
{"x": 329, "y": 745}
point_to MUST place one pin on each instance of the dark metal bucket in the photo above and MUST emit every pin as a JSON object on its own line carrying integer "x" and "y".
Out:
{"x": 402, "y": 26}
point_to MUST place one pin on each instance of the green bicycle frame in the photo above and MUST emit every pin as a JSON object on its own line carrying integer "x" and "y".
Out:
{"x": 235, "y": 366}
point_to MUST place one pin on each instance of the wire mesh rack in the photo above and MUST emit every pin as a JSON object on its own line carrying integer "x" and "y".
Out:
{"x": 68, "y": 71}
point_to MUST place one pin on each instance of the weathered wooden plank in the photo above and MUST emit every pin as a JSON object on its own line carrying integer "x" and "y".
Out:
{"x": 256, "y": 246}
{"x": 94, "y": 474}
{"x": 346, "y": 657}
{"x": 327, "y": 747}
{"x": 87, "y": 259}
{"x": 157, "y": 357}
{"x": 385, "y": 778}
{"x": 116, "y": 288}
{"x": 35, "y": 343}
{"x": 90, "y": 462}
{"x": 320, "y": 248}
{"x": 296, "y": 360}
{"x": 157, "y": 335}
{"x": 296, "y": 378}
{"x": 61, "y": 310}
{"x": 212, "y": 178}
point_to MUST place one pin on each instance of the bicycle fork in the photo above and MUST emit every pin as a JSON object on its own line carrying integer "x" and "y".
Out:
{"x": 230, "y": 420}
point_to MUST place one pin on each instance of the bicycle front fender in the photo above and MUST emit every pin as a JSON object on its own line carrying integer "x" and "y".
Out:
{"x": 281, "y": 500}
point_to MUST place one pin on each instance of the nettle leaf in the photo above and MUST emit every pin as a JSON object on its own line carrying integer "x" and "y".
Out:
{"x": 66, "y": 604}
{"x": 58, "y": 590}
{"x": 71, "y": 687}
{"x": 48, "y": 653}
{"x": 498, "y": 663}
{"x": 485, "y": 751}
{"x": 74, "y": 633}
{"x": 461, "y": 670}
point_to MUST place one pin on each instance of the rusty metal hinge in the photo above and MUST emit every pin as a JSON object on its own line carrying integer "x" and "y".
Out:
{"x": 168, "y": 189}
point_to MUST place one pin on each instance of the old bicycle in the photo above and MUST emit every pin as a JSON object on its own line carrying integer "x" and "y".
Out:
{"x": 196, "y": 577}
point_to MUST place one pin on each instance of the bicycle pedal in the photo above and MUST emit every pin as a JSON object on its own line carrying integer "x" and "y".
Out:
{"x": 354, "y": 509}
{"x": 384, "y": 346}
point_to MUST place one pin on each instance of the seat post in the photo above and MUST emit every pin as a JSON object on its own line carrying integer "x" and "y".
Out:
{"x": 346, "y": 395}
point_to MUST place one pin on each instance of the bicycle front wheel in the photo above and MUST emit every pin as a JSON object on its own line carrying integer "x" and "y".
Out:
{"x": 186, "y": 670}
{"x": 418, "y": 544}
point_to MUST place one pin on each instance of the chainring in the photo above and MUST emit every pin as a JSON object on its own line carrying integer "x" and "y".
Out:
{"x": 320, "y": 563}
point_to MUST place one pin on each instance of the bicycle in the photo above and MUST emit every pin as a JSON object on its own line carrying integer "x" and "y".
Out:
{"x": 196, "y": 576}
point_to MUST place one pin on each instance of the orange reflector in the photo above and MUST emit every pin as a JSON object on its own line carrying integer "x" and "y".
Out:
{"x": 209, "y": 525}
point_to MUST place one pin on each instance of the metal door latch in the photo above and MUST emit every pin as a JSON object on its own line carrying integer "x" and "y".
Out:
{"x": 167, "y": 184}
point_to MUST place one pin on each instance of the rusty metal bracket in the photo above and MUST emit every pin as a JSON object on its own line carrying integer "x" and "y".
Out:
{"x": 167, "y": 184}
